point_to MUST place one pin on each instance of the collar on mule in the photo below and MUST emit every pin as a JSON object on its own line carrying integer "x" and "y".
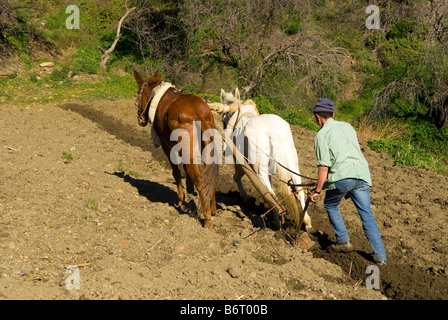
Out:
{"x": 151, "y": 106}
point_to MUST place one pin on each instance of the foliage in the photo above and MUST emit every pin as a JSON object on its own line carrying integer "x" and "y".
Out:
{"x": 85, "y": 60}
{"x": 297, "y": 117}
{"x": 67, "y": 157}
{"x": 352, "y": 109}
{"x": 407, "y": 154}
{"x": 263, "y": 104}
{"x": 283, "y": 54}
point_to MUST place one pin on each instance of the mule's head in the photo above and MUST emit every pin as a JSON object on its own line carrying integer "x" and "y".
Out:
{"x": 229, "y": 98}
{"x": 144, "y": 95}
{"x": 232, "y": 100}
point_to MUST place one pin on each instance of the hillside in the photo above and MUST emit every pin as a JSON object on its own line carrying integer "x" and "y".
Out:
{"x": 391, "y": 81}
{"x": 82, "y": 184}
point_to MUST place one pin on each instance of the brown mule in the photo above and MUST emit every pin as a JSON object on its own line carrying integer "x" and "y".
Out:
{"x": 168, "y": 109}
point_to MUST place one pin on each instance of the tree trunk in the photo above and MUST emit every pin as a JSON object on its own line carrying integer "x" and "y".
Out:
{"x": 106, "y": 54}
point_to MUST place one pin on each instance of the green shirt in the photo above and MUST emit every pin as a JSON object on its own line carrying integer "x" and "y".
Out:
{"x": 337, "y": 147}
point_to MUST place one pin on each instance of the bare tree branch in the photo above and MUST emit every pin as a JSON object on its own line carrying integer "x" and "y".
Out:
{"x": 106, "y": 54}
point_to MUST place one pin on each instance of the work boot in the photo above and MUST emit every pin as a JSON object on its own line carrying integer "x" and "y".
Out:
{"x": 343, "y": 247}
{"x": 379, "y": 262}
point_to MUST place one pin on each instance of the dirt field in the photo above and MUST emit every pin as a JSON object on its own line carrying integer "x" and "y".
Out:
{"x": 108, "y": 206}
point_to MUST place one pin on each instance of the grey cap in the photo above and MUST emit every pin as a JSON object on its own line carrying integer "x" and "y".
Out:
{"x": 324, "y": 105}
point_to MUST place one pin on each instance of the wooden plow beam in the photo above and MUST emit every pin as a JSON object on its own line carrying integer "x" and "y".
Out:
{"x": 241, "y": 159}
{"x": 304, "y": 242}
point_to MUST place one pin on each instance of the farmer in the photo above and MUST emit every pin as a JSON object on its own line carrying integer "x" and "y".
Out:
{"x": 339, "y": 159}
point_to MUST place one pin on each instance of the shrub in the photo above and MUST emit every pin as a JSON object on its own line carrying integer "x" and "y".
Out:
{"x": 352, "y": 109}
{"x": 300, "y": 118}
{"x": 86, "y": 60}
{"x": 402, "y": 153}
{"x": 291, "y": 24}
{"x": 406, "y": 26}
{"x": 263, "y": 104}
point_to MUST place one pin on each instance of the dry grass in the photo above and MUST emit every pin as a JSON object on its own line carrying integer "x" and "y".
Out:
{"x": 368, "y": 130}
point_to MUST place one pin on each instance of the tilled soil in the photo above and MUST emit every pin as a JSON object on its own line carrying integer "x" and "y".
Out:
{"x": 82, "y": 185}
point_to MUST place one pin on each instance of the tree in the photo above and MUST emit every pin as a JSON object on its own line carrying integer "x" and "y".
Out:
{"x": 106, "y": 54}
{"x": 262, "y": 39}
{"x": 160, "y": 37}
{"x": 415, "y": 64}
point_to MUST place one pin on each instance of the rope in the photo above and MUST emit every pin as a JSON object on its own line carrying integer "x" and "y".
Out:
{"x": 281, "y": 165}
{"x": 289, "y": 183}
{"x": 284, "y": 231}
{"x": 278, "y": 203}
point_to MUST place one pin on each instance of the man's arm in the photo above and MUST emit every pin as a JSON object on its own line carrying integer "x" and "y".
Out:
{"x": 322, "y": 175}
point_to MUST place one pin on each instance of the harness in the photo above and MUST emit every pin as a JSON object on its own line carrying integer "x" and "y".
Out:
{"x": 234, "y": 121}
{"x": 151, "y": 106}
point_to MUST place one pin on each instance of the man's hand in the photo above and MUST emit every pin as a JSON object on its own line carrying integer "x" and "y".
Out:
{"x": 313, "y": 197}
{"x": 322, "y": 175}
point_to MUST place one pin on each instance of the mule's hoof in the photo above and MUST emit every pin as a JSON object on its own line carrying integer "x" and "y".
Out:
{"x": 309, "y": 229}
{"x": 208, "y": 224}
{"x": 277, "y": 224}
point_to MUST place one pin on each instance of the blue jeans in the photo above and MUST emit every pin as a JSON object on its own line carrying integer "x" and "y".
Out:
{"x": 359, "y": 192}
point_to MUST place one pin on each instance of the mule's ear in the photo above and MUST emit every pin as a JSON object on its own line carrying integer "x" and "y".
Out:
{"x": 237, "y": 94}
{"x": 138, "y": 78}
{"x": 223, "y": 94}
{"x": 157, "y": 76}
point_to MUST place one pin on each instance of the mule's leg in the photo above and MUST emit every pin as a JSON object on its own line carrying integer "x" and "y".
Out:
{"x": 265, "y": 179}
{"x": 193, "y": 172}
{"x": 239, "y": 173}
{"x": 178, "y": 178}
{"x": 301, "y": 197}
{"x": 213, "y": 204}
{"x": 189, "y": 182}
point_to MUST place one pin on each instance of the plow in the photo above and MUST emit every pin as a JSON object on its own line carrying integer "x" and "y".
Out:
{"x": 303, "y": 241}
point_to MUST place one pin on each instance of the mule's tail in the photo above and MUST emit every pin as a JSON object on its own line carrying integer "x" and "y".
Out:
{"x": 210, "y": 178}
{"x": 211, "y": 171}
{"x": 293, "y": 211}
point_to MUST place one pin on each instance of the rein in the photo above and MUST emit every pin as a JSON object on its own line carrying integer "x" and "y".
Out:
{"x": 145, "y": 110}
{"x": 137, "y": 98}
{"x": 156, "y": 94}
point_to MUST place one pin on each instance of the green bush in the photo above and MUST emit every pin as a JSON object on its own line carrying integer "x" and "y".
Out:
{"x": 425, "y": 134}
{"x": 352, "y": 109}
{"x": 86, "y": 60}
{"x": 300, "y": 118}
{"x": 292, "y": 22}
{"x": 403, "y": 28}
{"x": 263, "y": 104}
{"x": 374, "y": 39}
{"x": 403, "y": 153}
{"x": 60, "y": 74}
{"x": 399, "y": 50}
{"x": 408, "y": 155}
{"x": 56, "y": 20}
